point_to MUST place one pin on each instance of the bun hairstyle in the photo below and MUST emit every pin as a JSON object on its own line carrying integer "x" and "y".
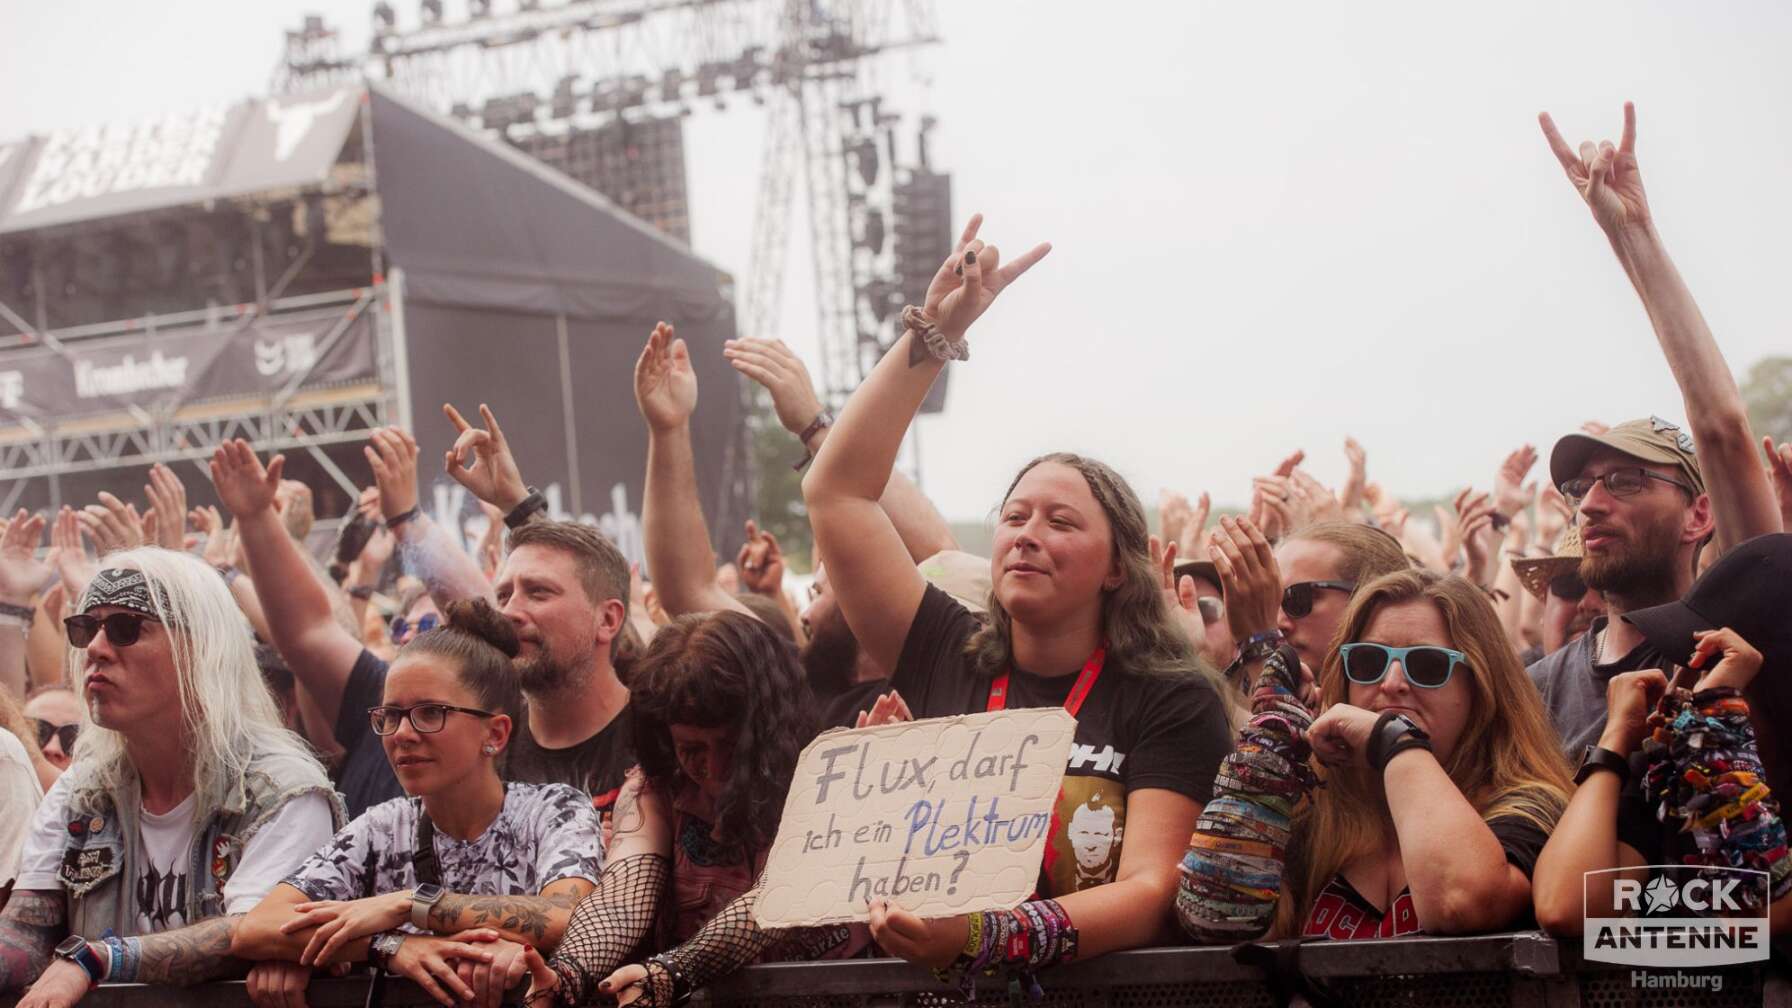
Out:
{"x": 480, "y": 642}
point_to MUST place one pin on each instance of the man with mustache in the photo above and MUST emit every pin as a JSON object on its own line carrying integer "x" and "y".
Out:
{"x": 1639, "y": 491}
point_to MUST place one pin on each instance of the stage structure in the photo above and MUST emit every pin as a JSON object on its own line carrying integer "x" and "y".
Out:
{"x": 599, "y": 89}
{"x": 298, "y": 270}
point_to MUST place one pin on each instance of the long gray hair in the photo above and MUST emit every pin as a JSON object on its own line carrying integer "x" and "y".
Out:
{"x": 228, "y": 713}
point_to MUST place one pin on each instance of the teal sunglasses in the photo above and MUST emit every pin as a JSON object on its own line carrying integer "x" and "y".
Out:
{"x": 1424, "y": 665}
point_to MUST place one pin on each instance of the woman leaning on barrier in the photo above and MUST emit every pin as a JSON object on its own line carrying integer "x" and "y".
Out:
{"x": 448, "y": 885}
{"x": 1443, "y": 781}
{"x": 721, "y": 710}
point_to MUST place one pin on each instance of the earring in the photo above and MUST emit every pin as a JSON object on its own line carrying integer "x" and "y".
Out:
{"x": 490, "y": 750}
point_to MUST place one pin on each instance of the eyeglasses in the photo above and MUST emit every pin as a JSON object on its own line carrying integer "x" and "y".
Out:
{"x": 1424, "y": 665}
{"x": 425, "y": 623}
{"x": 1626, "y": 482}
{"x": 64, "y": 734}
{"x": 1568, "y": 587}
{"x": 1213, "y": 609}
{"x": 1297, "y": 598}
{"x": 426, "y": 718}
{"x": 122, "y": 628}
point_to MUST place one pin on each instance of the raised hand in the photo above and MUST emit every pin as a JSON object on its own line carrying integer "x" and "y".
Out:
{"x": 1179, "y": 597}
{"x": 392, "y": 452}
{"x": 1605, "y": 176}
{"x": 1352, "y": 496}
{"x": 1779, "y": 473}
{"x": 167, "y": 498}
{"x": 1286, "y": 467}
{"x": 1194, "y": 530}
{"x": 665, "y": 385}
{"x": 761, "y": 562}
{"x": 773, "y": 365}
{"x": 1173, "y": 512}
{"x": 21, "y": 573}
{"x": 1249, "y": 577}
{"x": 1510, "y": 494}
{"x": 971, "y": 278}
{"x": 244, "y": 487}
{"x": 1553, "y": 516}
{"x": 1474, "y": 523}
{"x": 112, "y": 524}
{"x": 482, "y": 462}
{"x": 68, "y": 551}
{"x": 1321, "y": 504}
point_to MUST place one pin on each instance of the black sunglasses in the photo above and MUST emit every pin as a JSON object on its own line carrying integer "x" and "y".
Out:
{"x": 427, "y": 718}
{"x": 1626, "y": 482}
{"x": 1297, "y": 598}
{"x": 1568, "y": 587}
{"x": 122, "y": 628}
{"x": 65, "y": 734}
{"x": 1425, "y": 665}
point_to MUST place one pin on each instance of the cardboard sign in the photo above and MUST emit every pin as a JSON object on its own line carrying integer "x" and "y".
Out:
{"x": 941, "y": 817}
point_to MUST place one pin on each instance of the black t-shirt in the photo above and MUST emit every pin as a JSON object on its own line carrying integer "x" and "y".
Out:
{"x": 842, "y": 710}
{"x": 365, "y": 776}
{"x": 1133, "y": 731}
{"x": 595, "y": 766}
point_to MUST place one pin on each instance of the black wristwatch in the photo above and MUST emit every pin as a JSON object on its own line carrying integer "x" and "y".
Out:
{"x": 75, "y": 949}
{"x": 1596, "y": 758}
{"x": 1394, "y": 733}
{"x": 526, "y": 509}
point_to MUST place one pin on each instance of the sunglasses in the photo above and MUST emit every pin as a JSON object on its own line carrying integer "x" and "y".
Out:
{"x": 425, "y": 623}
{"x": 1568, "y": 587}
{"x": 65, "y": 734}
{"x": 1425, "y": 665}
{"x": 1297, "y": 599}
{"x": 1626, "y": 482}
{"x": 426, "y": 718}
{"x": 122, "y": 628}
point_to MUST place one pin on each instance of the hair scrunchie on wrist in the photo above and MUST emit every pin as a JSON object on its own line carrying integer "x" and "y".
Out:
{"x": 938, "y": 344}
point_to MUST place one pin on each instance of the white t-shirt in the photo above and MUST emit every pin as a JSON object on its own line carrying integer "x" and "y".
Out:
{"x": 19, "y": 794}
{"x": 300, "y": 827}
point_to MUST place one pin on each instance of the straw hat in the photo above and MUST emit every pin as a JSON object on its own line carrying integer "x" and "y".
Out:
{"x": 1537, "y": 572}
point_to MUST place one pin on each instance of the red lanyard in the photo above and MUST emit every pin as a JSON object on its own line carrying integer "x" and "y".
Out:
{"x": 1085, "y": 681}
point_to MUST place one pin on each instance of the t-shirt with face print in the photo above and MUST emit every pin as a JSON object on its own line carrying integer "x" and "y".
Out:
{"x": 1133, "y": 731}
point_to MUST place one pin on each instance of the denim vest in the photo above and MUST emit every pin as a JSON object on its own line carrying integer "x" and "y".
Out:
{"x": 100, "y": 862}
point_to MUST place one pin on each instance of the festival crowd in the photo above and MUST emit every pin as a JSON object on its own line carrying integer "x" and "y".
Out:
{"x": 527, "y": 764}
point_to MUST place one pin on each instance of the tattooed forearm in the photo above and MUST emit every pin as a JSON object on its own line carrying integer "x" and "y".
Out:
{"x": 532, "y": 920}
{"x": 34, "y": 922}
{"x": 191, "y": 954}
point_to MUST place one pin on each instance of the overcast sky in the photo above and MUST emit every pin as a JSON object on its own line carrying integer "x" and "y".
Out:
{"x": 1273, "y": 224}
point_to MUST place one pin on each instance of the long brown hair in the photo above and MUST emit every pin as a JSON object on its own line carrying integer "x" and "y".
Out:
{"x": 1141, "y": 635}
{"x": 1508, "y": 761}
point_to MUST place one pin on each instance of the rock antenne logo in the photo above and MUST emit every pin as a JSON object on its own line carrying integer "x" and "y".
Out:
{"x": 1682, "y": 916}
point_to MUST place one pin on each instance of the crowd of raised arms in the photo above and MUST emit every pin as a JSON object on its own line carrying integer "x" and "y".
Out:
{"x": 529, "y": 765}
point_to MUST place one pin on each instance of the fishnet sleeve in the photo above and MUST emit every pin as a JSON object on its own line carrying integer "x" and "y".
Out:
{"x": 608, "y": 924}
{"x": 729, "y": 941}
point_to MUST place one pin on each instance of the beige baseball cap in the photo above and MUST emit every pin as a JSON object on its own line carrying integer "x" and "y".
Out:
{"x": 1652, "y": 440}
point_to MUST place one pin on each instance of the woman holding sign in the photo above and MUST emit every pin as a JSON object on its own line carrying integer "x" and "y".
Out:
{"x": 721, "y": 711}
{"x": 1077, "y": 620}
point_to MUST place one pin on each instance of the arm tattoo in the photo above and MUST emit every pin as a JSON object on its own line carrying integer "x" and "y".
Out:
{"x": 523, "y": 916}
{"x": 35, "y": 920}
{"x": 626, "y": 817}
{"x": 188, "y": 955}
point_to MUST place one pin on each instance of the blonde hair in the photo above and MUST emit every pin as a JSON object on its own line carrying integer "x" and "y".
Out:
{"x": 1507, "y": 763}
{"x": 228, "y": 713}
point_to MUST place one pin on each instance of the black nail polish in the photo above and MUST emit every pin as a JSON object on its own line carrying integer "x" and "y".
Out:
{"x": 959, "y": 269}
{"x": 970, "y": 258}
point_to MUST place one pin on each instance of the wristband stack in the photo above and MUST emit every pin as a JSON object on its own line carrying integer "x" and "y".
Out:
{"x": 1016, "y": 944}
{"x": 1231, "y": 877}
{"x": 1705, "y": 778}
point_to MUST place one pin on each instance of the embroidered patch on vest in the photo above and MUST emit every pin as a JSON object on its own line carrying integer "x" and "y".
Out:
{"x": 77, "y": 828}
{"x": 85, "y": 865}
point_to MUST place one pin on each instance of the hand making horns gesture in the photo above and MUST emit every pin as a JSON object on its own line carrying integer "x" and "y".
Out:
{"x": 1605, "y": 176}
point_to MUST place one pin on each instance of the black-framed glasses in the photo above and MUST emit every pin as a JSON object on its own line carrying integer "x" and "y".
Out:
{"x": 1568, "y": 587}
{"x": 425, "y": 623}
{"x": 426, "y": 718}
{"x": 1626, "y": 482}
{"x": 122, "y": 628}
{"x": 1297, "y": 598}
{"x": 1424, "y": 665}
{"x": 64, "y": 734}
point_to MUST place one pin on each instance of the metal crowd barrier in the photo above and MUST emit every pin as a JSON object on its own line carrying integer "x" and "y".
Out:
{"x": 1522, "y": 970}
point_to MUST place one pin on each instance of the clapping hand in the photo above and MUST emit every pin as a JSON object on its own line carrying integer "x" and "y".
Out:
{"x": 781, "y": 371}
{"x": 665, "y": 385}
{"x": 21, "y": 573}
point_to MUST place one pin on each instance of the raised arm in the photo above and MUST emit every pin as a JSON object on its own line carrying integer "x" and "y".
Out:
{"x": 1610, "y": 182}
{"x": 21, "y": 575}
{"x": 923, "y": 529}
{"x": 870, "y": 568}
{"x": 430, "y": 552}
{"x": 320, "y": 652}
{"x": 680, "y": 559}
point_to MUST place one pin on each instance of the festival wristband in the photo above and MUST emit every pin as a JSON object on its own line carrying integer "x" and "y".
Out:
{"x": 393, "y": 522}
